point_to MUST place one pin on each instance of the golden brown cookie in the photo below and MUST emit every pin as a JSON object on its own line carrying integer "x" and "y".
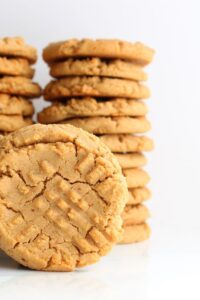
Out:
{"x": 138, "y": 195}
{"x": 11, "y": 105}
{"x": 134, "y": 214}
{"x": 97, "y": 67}
{"x": 135, "y": 233}
{"x": 127, "y": 143}
{"x": 88, "y": 107}
{"x": 106, "y": 125}
{"x": 14, "y": 122}
{"x": 20, "y": 86}
{"x": 136, "y": 177}
{"x": 15, "y": 67}
{"x": 62, "y": 194}
{"x": 16, "y": 47}
{"x": 131, "y": 160}
{"x": 94, "y": 87}
{"x": 137, "y": 52}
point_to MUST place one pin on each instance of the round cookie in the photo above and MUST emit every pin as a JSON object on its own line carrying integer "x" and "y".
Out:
{"x": 107, "y": 125}
{"x": 11, "y": 123}
{"x": 90, "y": 107}
{"x": 135, "y": 233}
{"x": 131, "y": 160}
{"x": 98, "y": 67}
{"x": 134, "y": 214}
{"x": 20, "y": 86}
{"x": 15, "y": 67}
{"x": 16, "y": 47}
{"x": 62, "y": 194}
{"x": 138, "y": 195}
{"x": 11, "y": 105}
{"x": 104, "y": 48}
{"x": 94, "y": 87}
{"x": 136, "y": 177}
{"x": 127, "y": 143}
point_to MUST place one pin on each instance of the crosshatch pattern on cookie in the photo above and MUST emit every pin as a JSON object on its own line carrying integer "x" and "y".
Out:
{"x": 61, "y": 197}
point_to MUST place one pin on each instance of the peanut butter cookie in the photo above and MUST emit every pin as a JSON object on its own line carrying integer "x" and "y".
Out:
{"x": 15, "y": 67}
{"x": 98, "y": 67}
{"x": 106, "y": 125}
{"x": 12, "y": 123}
{"x": 138, "y": 195}
{"x": 95, "y": 87}
{"x": 135, "y": 233}
{"x": 136, "y": 177}
{"x": 127, "y": 143}
{"x": 136, "y": 52}
{"x": 20, "y": 86}
{"x": 88, "y": 107}
{"x": 16, "y": 47}
{"x": 11, "y": 105}
{"x": 131, "y": 160}
{"x": 134, "y": 214}
{"x": 62, "y": 194}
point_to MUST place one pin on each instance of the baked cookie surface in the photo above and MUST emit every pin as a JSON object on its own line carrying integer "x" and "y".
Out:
{"x": 110, "y": 125}
{"x": 20, "y": 86}
{"x": 131, "y": 160}
{"x": 127, "y": 143}
{"x": 11, "y": 105}
{"x": 82, "y": 86}
{"x": 11, "y": 123}
{"x": 90, "y": 107}
{"x": 135, "y": 233}
{"x": 138, "y": 195}
{"x": 15, "y": 67}
{"x": 16, "y": 47}
{"x": 137, "y": 52}
{"x": 61, "y": 197}
{"x": 98, "y": 67}
{"x": 134, "y": 214}
{"x": 136, "y": 177}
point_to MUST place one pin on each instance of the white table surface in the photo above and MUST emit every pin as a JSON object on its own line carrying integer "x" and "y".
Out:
{"x": 165, "y": 267}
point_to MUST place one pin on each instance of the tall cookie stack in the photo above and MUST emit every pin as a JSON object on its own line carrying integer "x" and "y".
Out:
{"x": 16, "y": 86}
{"x": 98, "y": 88}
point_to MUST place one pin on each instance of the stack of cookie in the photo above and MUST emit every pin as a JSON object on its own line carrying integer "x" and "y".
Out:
{"x": 98, "y": 88}
{"x": 16, "y": 86}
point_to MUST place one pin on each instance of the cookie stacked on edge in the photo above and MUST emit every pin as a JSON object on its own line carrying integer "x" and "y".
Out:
{"x": 98, "y": 88}
{"x": 16, "y": 86}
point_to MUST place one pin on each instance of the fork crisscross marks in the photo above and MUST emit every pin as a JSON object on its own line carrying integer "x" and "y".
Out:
{"x": 61, "y": 200}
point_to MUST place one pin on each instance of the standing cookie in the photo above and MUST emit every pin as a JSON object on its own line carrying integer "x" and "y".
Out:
{"x": 62, "y": 193}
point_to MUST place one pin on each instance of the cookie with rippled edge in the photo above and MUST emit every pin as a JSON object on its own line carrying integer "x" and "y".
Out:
{"x": 19, "y": 86}
{"x": 11, "y": 123}
{"x": 103, "y": 48}
{"x": 131, "y": 160}
{"x": 127, "y": 143}
{"x": 11, "y": 105}
{"x": 107, "y": 125}
{"x": 135, "y": 233}
{"x": 62, "y": 194}
{"x": 135, "y": 214}
{"x": 94, "y": 86}
{"x": 90, "y": 107}
{"x": 98, "y": 67}
{"x": 138, "y": 195}
{"x": 136, "y": 177}
{"x": 16, "y": 47}
{"x": 15, "y": 67}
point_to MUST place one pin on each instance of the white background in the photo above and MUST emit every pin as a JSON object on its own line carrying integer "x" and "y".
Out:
{"x": 168, "y": 266}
